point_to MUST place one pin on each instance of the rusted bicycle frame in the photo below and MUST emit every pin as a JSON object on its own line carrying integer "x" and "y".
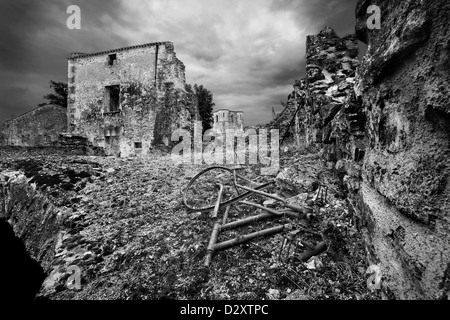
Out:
{"x": 293, "y": 211}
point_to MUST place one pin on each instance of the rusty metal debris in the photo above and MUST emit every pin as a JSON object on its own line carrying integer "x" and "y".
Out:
{"x": 290, "y": 242}
{"x": 220, "y": 225}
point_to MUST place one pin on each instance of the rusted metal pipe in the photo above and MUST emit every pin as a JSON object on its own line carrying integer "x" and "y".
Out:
{"x": 212, "y": 243}
{"x": 268, "y": 195}
{"x": 274, "y": 212}
{"x": 320, "y": 248}
{"x": 243, "y": 239}
{"x": 246, "y": 221}
{"x": 225, "y": 215}
{"x": 219, "y": 200}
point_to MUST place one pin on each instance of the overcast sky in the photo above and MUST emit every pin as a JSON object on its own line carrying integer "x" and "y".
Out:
{"x": 248, "y": 53}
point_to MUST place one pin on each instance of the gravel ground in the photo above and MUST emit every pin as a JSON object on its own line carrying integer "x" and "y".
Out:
{"x": 125, "y": 226}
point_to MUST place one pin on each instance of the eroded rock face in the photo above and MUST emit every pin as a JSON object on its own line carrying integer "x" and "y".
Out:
{"x": 404, "y": 83}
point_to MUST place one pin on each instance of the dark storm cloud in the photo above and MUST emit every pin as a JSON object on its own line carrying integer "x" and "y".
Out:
{"x": 34, "y": 32}
{"x": 337, "y": 14}
{"x": 36, "y": 44}
{"x": 19, "y": 20}
{"x": 283, "y": 72}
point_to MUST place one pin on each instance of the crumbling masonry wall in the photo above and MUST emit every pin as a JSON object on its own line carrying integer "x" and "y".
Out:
{"x": 329, "y": 114}
{"x": 37, "y": 128}
{"x": 330, "y": 66}
{"x": 152, "y": 100}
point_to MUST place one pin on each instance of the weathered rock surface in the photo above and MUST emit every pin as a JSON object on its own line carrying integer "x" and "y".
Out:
{"x": 404, "y": 82}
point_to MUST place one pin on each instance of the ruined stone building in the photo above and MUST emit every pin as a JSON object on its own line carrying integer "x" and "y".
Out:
{"x": 128, "y": 99}
{"x": 225, "y": 119}
{"x": 330, "y": 114}
{"x": 123, "y": 101}
{"x": 324, "y": 103}
{"x": 38, "y": 127}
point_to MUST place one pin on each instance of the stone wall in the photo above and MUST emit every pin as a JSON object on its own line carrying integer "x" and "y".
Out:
{"x": 152, "y": 101}
{"x": 386, "y": 131}
{"x": 331, "y": 112}
{"x": 404, "y": 86}
{"x": 39, "y": 127}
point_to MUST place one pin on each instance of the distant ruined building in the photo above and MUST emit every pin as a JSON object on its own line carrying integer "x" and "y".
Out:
{"x": 225, "y": 119}
{"x": 123, "y": 101}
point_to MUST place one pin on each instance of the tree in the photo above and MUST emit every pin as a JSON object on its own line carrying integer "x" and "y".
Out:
{"x": 59, "y": 97}
{"x": 205, "y": 106}
{"x": 189, "y": 88}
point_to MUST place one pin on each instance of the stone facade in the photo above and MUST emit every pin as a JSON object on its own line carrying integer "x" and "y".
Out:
{"x": 129, "y": 99}
{"x": 37, "y": 128}
{"x": 225, "y": 119}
